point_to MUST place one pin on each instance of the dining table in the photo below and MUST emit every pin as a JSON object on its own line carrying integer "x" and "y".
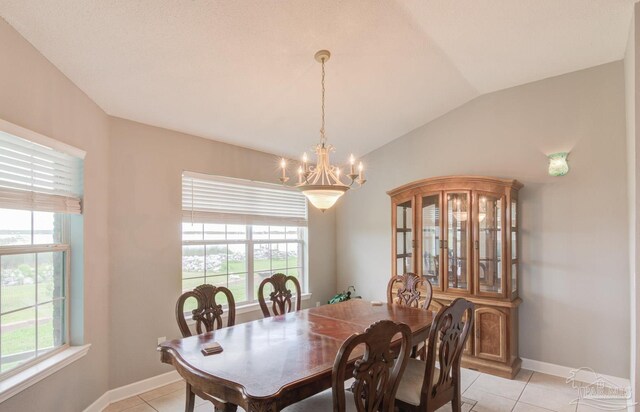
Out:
{"x": 267, "y": 364}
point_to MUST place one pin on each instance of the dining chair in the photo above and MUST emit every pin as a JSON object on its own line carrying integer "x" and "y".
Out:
{"x": 281, "y": 297}
{"x": 375, "y": 376}
{"x": 408, "y": 293}
{"x": 425, "y": 387}
{"x": 208, "y": 313}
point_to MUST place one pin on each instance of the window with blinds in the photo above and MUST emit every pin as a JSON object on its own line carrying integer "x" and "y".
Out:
{"x": 216, "y": 199}
{"x": 37, "y": 177}
{"x": 236, "y": 233}
{"x": 39, "y": 187}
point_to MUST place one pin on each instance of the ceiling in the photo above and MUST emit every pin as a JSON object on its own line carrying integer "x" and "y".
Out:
{"x": 242, "y": 71}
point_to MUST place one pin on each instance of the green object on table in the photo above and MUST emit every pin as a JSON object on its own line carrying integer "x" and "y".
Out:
{"x": 344, "y": 296}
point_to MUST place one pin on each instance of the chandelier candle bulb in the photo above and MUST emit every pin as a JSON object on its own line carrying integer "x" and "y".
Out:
{"x": 300, "y": 175}
{"x": 352, "y": 161}
{"x": 361, "y": 171}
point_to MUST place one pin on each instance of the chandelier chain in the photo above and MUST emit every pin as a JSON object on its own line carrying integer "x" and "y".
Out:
{"x": 323, "y": 139}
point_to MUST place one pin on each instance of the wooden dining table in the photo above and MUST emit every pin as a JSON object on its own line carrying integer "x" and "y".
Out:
{"x": 271, "y": 363}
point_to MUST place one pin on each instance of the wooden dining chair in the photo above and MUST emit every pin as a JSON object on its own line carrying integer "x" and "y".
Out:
{"x": 208, "y": 313}
{"x": 281, "y": 297}
{"x": 375, "y": 376}
{"x": 408, "y": 292}
{"x": 424, "y": 387}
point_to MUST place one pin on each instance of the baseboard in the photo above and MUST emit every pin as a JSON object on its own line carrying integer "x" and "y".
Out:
{"x": 565, "y": 372}
{"x": 135, "y": 388}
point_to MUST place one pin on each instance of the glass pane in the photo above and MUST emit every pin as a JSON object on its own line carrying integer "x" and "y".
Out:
{"x": 15, "y": 227}
{"x": 237, "y": 258}
{"x": 237, "y": 283}
{"x": 214, "y": 232}
{"x": 457, "y": 241}
{"x": 50, "y": 276}
{"x": 295, "y": 272}
{"x": 193, "y": 261}
{"x": 277, "y": 232}
{"x": 50, "y": 326}
{"x": 514, "y": 245}
{"x": 292, "y": 233}
{"x": 216, "y": 260}
{"x": 404, "y": 236}
{"x": 278, "y": 257}
{"x": 514, "y": 214}
{"x": 18, "y": 273}
{"x": 260, "y": 232}
{"x": 489, "y": 247}
{"x": 261, "y": 258}
{"x": 192, "y": 231}
{"x": 514, "y": 277}
{"x": 192, "y": 283}
{"x": 431, "y": 239}
{"x": 18, "y": 338}
{"x": 292, "y": 255}
{"x": 43, "y": 228}
{"x": 236, "y": 232}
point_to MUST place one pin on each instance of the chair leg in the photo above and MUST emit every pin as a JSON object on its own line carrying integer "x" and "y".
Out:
{"x": 456, "y": 402}
{"x": 191, "y": 400}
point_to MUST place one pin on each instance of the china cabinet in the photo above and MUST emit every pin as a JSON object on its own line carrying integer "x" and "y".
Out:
{"x": 461, "y": 234}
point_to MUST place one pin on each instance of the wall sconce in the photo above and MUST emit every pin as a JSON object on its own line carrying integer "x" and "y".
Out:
{"x": 558, "y": 164}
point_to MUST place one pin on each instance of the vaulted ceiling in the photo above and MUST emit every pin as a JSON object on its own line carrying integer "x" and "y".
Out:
{"x": 242, "y": 71}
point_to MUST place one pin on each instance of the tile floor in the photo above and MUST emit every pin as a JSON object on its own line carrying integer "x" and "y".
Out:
{"x": 528, "y": 392}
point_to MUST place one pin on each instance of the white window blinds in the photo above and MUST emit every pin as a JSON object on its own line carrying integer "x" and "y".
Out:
{"x": 215, "y": 199}
{"x": 37, "y": 177}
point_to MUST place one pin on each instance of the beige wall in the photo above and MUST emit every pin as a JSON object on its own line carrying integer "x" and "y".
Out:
{"x": 575, "y": 280}
{"x": 145, "y": 238}
{"x": 632, "y": 87}
{"x": 35, "y": 95}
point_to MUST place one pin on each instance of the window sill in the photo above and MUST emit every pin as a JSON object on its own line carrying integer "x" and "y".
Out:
{"x": 22, "y": 380}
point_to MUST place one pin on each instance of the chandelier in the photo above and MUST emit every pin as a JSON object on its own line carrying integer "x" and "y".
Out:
{"x": 322, "y": 183}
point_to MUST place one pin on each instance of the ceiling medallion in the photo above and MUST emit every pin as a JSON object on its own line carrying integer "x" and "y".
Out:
{"x": 322, "y": 183}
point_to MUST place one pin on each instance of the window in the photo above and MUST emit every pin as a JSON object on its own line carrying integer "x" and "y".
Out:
{"x": 39, "y": 189}
{"x": 236, "y": 233}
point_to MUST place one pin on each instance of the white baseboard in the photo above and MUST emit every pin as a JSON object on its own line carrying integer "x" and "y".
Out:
{"x": 565, "y": 371}
{"x": 135, "y": 388}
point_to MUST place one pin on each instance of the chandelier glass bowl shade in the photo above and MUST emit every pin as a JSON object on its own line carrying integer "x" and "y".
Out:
{"x": 321, "y": 183}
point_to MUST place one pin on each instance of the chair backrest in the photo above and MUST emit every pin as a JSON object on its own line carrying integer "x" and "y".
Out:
{"x": 408, "y": 293}
{"x": 377, "y": 374}
{"x": 281, "y": 297}
{"x": 208, "y": 312}
{"x": 448, "y": 334}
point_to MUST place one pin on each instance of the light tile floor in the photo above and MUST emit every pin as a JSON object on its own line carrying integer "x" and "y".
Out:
{"x": 528, "y": 392}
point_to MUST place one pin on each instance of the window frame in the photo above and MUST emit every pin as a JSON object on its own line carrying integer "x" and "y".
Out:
{"x": 65, "y": 247}
{"x": 250, "y": 242}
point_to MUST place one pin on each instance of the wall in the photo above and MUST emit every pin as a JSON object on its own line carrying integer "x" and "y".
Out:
{"x": 631, "y": 61}
{"x": 574, "y": 271}
{"x": 35, "y": 95}
{"x": 145, "y": 236}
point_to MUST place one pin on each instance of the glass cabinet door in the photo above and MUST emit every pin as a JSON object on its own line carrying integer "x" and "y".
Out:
{"x": 489, "y": 243}
{"x": 431, "y": 239}
{"x": 404, "y": 238}
{"x": 457, "y": 243}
